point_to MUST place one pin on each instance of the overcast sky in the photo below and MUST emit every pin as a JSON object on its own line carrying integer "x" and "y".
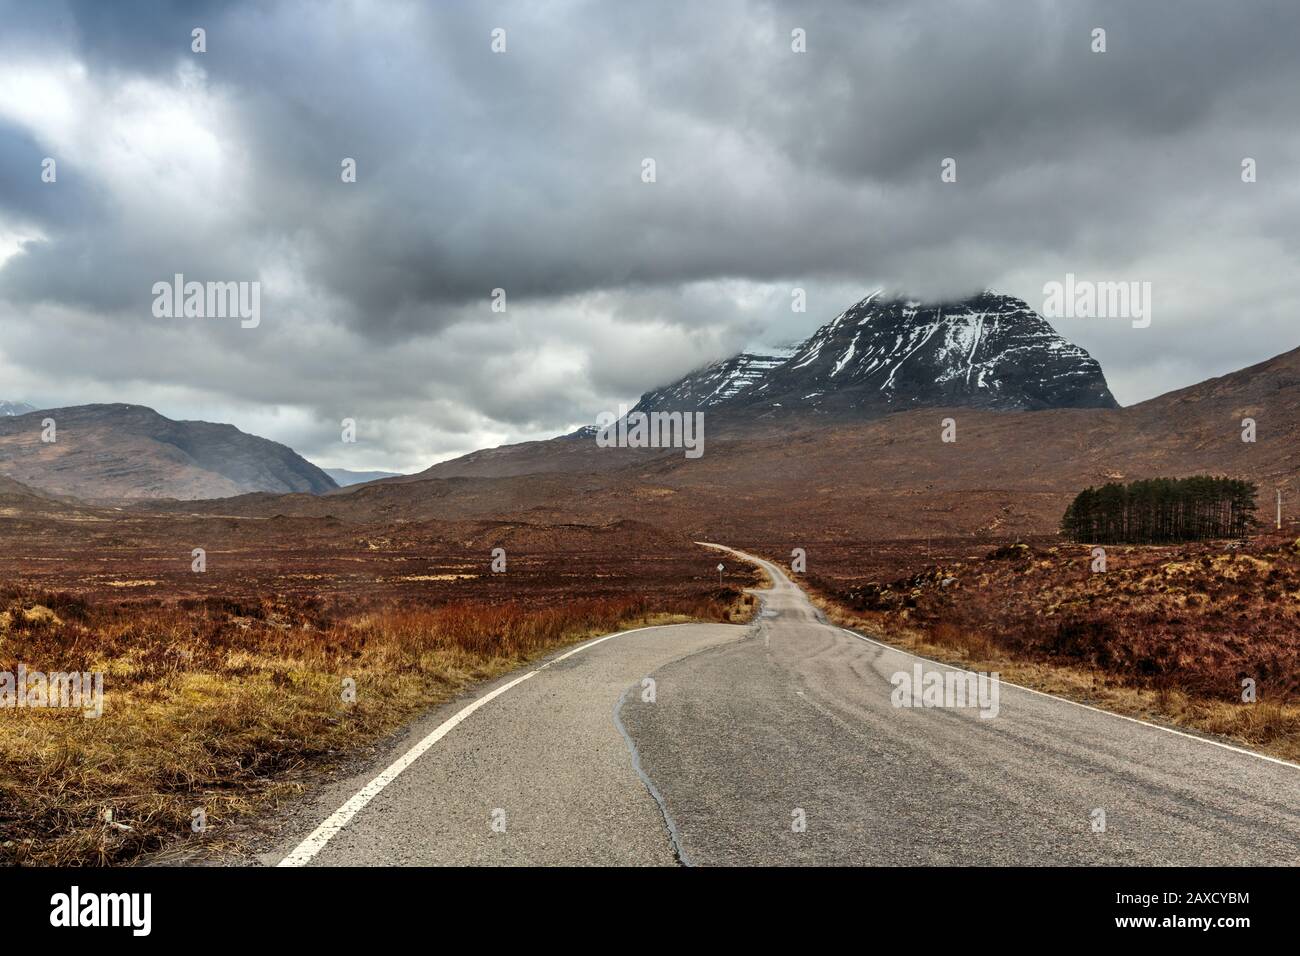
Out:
{"x": 522, "y": 170}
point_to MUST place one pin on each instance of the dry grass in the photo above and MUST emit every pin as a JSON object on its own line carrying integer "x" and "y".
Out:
{"x": 969, "y": 645}
{"x": 1198, "y": 618}
{"x": 1128, "y": 641}
{"x": 224, "y": 706}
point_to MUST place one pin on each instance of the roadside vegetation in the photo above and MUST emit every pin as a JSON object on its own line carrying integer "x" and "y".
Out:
{"x": 216, "y": 707}
{"x": 1204, "y": 636}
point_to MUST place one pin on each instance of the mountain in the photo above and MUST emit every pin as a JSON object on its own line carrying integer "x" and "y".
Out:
{"x": 15, "y": 408}
{"x": 888, "y": 354}
{"x": 343, "y": 477}
{"x": 111, "y": 452}
{"x": 716, "y": 384}
{"x": 990, "y": 351}
{"x": 777, "y": 484}
{"x": 844, "y": 472}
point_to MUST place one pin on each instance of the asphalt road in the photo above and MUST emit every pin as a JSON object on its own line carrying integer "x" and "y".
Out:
{"x": 779, "y": 743}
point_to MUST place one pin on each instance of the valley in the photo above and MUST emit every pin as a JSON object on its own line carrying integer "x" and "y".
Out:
{"x": 326, "y": 617}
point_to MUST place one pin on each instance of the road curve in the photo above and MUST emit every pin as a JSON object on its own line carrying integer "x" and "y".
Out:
{"x": 540, "y": 774}
{"x": 779, "y": 743}
{"x": 799, "y": 717}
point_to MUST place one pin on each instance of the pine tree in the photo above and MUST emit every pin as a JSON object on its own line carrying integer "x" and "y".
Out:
{"x": 1161, "y": 510}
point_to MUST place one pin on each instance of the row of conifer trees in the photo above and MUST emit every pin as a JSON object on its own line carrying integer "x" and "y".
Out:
{"x": 1162, "y": 510}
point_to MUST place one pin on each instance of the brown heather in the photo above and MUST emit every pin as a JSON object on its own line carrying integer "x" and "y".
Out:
{"x": 1166, "y": 633}
{"x": 232, "y": 704}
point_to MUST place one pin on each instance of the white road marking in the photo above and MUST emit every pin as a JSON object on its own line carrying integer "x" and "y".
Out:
{"x": 316, "y": 840}
{"x": 1099, "y": 710}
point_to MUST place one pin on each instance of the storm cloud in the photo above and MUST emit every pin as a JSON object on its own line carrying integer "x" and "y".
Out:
{"x": 522, "y": 170}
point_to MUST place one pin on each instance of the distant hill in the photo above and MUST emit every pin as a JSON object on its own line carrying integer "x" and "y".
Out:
{"x": 113, "y": 452}
{"x": 15, "y": 408}
{"x": 344, "y": 477}
{"x": 17, "y": 497}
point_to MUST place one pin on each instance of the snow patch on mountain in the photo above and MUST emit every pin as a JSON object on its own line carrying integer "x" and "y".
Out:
{"x": 882, "y": 354}
{"x": 718, "y": 382}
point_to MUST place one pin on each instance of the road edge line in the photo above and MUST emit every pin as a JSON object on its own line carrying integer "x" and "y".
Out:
{"x": 315, "y": 841}
{"x": 1099, "y": 710}
{"x": 744, "y": 555}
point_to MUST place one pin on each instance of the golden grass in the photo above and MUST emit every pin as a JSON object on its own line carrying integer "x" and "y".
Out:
{"x": 225, "y": 708}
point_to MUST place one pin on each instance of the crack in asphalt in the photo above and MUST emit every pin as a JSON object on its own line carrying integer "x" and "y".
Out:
{"x": 673, "y": 837}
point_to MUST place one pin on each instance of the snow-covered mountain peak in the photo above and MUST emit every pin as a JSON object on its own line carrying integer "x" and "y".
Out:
{"x": 884, "y": 354}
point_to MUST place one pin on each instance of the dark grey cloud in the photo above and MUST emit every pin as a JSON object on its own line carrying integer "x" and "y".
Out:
{"x": 522, "y": 171}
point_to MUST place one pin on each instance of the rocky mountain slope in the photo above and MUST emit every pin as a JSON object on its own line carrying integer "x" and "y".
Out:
{"x": 111, "y": 452}
{"x": 884, "y": 355}
{"x": 718, "y": 383}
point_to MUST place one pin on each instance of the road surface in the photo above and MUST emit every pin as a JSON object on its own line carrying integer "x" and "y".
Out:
{"x": 780, "y": 743}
